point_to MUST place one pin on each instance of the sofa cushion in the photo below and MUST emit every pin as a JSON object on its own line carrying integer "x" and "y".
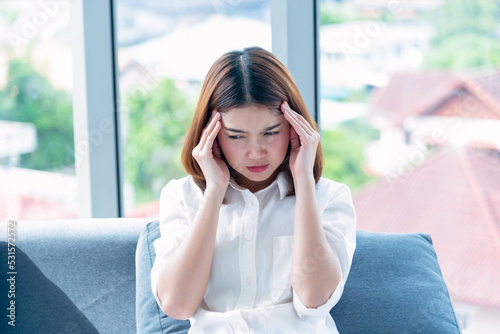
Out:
{"x": 91, "y": 261}
{"x": 395, "y": 286}
{"x": 149, "y": 316}
{"x": 34, "y": 304}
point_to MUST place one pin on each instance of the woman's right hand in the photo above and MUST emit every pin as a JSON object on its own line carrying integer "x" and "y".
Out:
{"x": 208, "y": 155}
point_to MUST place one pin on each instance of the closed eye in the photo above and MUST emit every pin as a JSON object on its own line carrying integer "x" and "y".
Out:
{"x": 271, "y": 133}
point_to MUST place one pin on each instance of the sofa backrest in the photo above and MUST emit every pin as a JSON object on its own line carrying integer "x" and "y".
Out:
{"x": 74, "y": 276}
{"x": 93, "y": 276}
{"x": 395, "y": 286}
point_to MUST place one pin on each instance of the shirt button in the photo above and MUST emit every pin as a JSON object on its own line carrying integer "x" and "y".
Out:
{"x": 257, "y": 320}
{"x": 241, "y": 329}
{"x": 248, "y": 236}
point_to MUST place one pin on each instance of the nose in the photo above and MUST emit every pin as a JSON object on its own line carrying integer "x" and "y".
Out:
{"x": 256, "y": 150}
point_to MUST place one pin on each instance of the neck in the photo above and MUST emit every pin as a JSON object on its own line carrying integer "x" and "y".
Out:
{"x": 255, "y": 186}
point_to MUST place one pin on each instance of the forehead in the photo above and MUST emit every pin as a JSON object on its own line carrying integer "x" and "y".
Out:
{"x": 251, "y": 116}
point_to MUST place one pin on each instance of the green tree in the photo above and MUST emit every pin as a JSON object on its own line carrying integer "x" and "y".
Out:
{"x": 157, "y": 121}
{"x": 466, "y": 35}
{"x": 335, "y": 13}
{"x": 343, "y": 150}
{"x": 30, "y": 97}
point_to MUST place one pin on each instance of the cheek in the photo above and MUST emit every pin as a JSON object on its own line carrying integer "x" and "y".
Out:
{"x": 280, "y": 144}
{"x": 227, "y": 146}
{"x": 285, "y": 138}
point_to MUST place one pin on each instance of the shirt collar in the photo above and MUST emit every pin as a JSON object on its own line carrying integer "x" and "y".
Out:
{"x": 282, "y": 184}
{"x": 280, "y": 180}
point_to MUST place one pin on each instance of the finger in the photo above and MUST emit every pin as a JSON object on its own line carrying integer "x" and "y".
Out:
{"x": 287, "y": 111}
{"x": 208, "y": 128}
{"x": 305, "y": 130}
{"x": 304, "y": 137}
{"x": 300, "y": 120}
{"x": 211, "y": 122}
{"x": 211, "y": 137}
{"x": 298, "y": 124}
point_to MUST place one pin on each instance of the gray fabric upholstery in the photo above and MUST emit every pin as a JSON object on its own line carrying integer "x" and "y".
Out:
{"x": 150, "y": 318}
{"x": 39, "y": 305}
{"x": 80, "y": 276}
{"x": 91, "y": 261}
{"x": 395, "y": 286}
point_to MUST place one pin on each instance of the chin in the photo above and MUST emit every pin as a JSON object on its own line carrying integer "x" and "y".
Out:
{"x": 260, "y": 176}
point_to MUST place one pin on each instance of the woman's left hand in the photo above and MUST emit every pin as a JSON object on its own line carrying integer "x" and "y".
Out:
{"x": 304, "y": 143}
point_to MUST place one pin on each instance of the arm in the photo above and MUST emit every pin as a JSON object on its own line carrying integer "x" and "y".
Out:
{"x": 184, "y": 275}
{"x": 315, "y": 269}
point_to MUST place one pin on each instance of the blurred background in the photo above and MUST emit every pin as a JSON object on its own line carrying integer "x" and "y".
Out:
{"x": 409, "y": 115}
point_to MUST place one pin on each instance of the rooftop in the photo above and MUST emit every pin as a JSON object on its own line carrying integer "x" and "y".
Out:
{"x": 443, "y": 93}
{"x": 455, "y": 197}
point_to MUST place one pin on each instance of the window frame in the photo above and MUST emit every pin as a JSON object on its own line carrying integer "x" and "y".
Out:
{"x": 96, "y": 98}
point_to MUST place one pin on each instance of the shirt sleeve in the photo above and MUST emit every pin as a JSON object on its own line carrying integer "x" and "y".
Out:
{"x": 173, "y": 228}
{"x": 339, "y": 224}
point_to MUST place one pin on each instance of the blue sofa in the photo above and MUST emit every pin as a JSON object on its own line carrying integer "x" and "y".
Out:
{"x": 92, "y": 276}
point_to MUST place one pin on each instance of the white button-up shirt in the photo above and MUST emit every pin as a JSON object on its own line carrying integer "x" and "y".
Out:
{"x": 249, "y": 289}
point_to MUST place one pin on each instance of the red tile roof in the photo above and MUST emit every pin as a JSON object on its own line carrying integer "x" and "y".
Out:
{"x": 420, "y": 93}
{"x": 455, "y": 197}
{"x": 145, "y": 210}
{"x": 28, "y": 207}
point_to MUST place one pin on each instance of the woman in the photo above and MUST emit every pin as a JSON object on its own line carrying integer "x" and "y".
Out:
{"x": 253, "y": 240}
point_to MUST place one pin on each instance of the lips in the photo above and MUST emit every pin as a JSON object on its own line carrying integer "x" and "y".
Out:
{"x": 257, "y": 169}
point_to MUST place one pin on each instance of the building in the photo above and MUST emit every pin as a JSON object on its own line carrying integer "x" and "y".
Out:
{"x": 455, "y": 197}
{"x": 418, "y": 110}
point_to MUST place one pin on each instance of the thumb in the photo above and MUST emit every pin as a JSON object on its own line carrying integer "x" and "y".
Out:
{"x": 216, "y": 150}
{"x": 294, "y": 139}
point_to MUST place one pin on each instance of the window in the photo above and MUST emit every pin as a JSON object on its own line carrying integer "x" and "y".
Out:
{"x": 165, "y": 51}
{"x": 37, "y": 160}
{"x": 420, "y": 156}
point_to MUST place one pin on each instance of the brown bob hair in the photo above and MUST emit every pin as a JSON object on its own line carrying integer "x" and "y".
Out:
{"x": 252, "y": 76}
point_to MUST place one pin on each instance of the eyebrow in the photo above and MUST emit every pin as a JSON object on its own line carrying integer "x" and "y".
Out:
{"x": 265, "y": 130}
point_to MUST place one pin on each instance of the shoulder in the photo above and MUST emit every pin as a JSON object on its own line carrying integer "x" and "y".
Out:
{"x": 329, "y": 189}
{"x": 179, "y": 189}
{"x": 336, "y": 204}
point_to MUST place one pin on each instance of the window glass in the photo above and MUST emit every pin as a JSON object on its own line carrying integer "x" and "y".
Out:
{"x": 37, "y": 163}
{"x": 165, "y": 50}
{"x": 410, "y": 112}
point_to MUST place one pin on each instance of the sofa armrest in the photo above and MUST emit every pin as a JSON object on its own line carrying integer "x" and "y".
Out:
{"x": 83, "y": 265}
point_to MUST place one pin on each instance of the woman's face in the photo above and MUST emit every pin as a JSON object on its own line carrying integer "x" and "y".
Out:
{"x": 254, "y": 141}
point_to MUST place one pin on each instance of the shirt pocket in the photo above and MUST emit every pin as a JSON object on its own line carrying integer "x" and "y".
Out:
{"x": 281, "y": 288}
